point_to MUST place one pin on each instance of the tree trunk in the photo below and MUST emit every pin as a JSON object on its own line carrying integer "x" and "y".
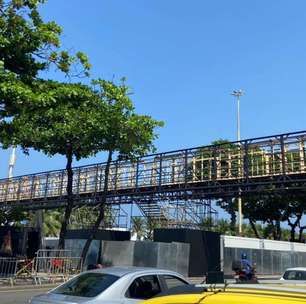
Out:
{"x": 301, "y": 231}
{"x": 293, "y": 227}
{"x": 292, "y": 231}
{"x": 100, "y": 217}
{"x": 278, "y": 230}
{"x": 69, "y": 206}
{"x": 254, "y": 228}
{"x": 273, "y": 230}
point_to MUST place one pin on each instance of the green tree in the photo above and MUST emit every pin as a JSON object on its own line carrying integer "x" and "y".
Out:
{"x": 28, "y": 45}
{"x": 52, "y": 222}
{"x": 12, "y": 216}
{"x": 128, "y": 134}
{"x": 138, "y": 226}
{"x": 151, "y": 224}
{"x": 207, "y": 223}
{"x": 230, "y": 205}
{"x": 65, "y": 119}
{"x": 295, "y": 215}
{"x": 85, "y": 216}
{"x": 222, "y": 226}
{"x": 276, "y": 208}
{"x": 266, "y": 208}
{"x": 81, "y": 217}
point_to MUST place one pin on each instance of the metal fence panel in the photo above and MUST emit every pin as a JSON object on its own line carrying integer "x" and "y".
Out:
{"x": 118, "y": 253}
{"x": 145, "y": 254}
{"x": 75, "y": 246}
{"x": 55, "y": 264}
{"x": 182, "y": 257}
{"x": 173, "y": 256}
{"x": 8, "y": 269}
{"x": 272, "y": 259}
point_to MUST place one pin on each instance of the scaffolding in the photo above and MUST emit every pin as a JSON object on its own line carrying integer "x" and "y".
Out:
{"x": 178, "y": 213}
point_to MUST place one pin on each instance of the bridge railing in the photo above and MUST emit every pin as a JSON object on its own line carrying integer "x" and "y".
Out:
{"x": 253, "y": 158}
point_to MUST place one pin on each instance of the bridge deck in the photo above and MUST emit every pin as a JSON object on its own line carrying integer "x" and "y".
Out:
{"x": 259, "y": 164}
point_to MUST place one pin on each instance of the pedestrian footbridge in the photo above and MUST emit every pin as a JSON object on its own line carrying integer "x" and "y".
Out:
{"x": 265, "y": 164}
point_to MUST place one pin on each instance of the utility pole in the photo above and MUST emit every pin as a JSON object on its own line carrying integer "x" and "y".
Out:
{"x": 12, "y": 162}
{"x": 237, "y": 94}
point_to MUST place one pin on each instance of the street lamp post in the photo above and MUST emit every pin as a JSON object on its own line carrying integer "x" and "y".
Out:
{"x": 237, "y": 94}
{"x": 12, "y": 162}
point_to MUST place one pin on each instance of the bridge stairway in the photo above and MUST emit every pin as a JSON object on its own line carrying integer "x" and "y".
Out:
{"x": 182, "y": 214}
{"x": 152, "y": 210}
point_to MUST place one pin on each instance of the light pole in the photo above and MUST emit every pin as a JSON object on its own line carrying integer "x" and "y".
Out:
{"x": 237, "y": 94}
{"x": 12, "y": 162}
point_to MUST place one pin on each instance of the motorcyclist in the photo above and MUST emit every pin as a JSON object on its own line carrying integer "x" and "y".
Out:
{"x": 246, "y": 266}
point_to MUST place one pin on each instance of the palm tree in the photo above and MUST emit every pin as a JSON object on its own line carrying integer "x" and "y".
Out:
{"x": 52, "y": 223}
{"x": 138, "y": 226}
{"x": 206, "y": 223}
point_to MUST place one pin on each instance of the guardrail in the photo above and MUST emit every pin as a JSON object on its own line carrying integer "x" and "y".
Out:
{"x": 276, "y": 156}
{"x": 52, "y": 265}
{"x": 8, "y": 269}
{"x": 48, "y": 265}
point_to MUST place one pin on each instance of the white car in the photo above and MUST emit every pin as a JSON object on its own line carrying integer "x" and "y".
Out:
{"x": 124, "y": 285}
{"x": 295, "y": 274}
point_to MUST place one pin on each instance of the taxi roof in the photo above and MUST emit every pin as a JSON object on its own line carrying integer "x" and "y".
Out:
{"x": 236, "y": 295}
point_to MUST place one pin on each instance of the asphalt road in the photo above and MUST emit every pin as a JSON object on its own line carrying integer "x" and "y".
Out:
{"x": 20, "y": 295}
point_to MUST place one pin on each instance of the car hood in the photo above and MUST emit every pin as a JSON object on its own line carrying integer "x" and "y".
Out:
{"x": 55, "y": 298}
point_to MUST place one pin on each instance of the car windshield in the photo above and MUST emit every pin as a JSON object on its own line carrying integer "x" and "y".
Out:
{"x": 87, "y": 285}
{"x": 295, "y": 275}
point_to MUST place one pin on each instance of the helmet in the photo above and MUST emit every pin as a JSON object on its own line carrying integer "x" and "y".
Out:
{"x": 243, "y": 256}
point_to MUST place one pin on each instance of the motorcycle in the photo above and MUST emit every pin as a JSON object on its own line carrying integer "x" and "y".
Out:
{"x": 241, "y": 277}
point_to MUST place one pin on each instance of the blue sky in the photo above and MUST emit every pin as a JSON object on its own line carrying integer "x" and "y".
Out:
{"x": 182, "y": 60}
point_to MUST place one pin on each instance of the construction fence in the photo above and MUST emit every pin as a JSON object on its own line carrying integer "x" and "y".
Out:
{"x": 51, "y": 265}
{"x": 173, "y": 256}
{"x": 8, "y": 269}
{"x": 47, "y": 266}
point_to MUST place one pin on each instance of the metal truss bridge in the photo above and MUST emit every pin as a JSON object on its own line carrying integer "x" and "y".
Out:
{"x": 265, "y": 164}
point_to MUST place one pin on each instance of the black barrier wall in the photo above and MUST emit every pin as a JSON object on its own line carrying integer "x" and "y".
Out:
{"x": 15, "y": 241}
{"x": 107, "y": 235}
{"x": 204, "y": 248}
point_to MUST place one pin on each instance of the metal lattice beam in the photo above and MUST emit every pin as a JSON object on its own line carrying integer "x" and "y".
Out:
{"x": 272, "y": 163}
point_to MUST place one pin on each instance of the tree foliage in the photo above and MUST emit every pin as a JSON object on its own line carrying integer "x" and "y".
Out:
{"x": 128, "y": 134}
{"x": 70, "y": 119}
{"x": 138, "y": 227}
{"x": 28, "y": 44}
{"x": 63, "y": 118}
{"x": 260, "y": 230}
{"x": 12, "y": 216}
{"x": 28, "y": 47}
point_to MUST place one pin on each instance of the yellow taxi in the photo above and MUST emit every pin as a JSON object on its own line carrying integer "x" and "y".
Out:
{"x": 235, "y": 296}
